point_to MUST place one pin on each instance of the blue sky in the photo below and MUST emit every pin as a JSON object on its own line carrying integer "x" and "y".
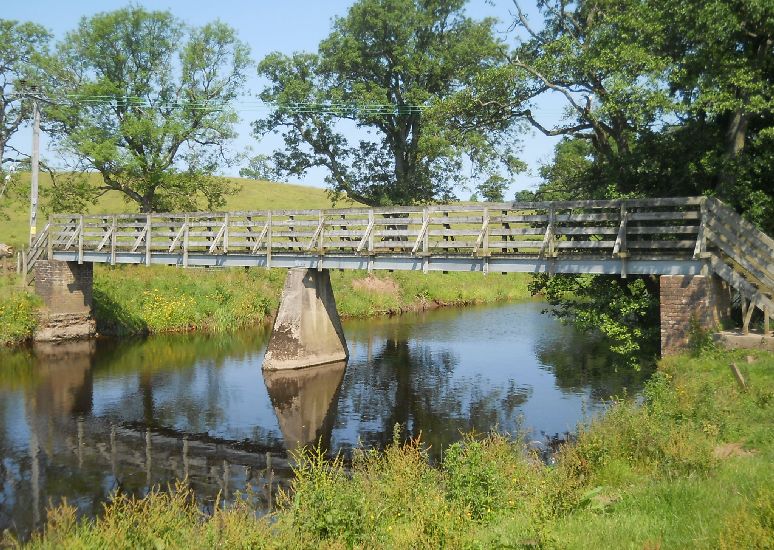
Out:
{"x": 286, "y": 26}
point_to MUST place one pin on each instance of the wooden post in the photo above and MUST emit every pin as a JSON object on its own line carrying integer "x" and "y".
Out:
{"x": 766, "y": 315}
{"x": 80, "y": 240}
{"x": 320, "y": 245}
{"x": 24, "y": 267}
{"x": 371, "y": 223}
{"x": 268, "y": 240}
{"x": 425, "y": 240}
{"x": 738, "y": 375}
{"x": 185, "y": 240}
{"x": 225, "y": 233}
{"x": 148, "y": 241}
{"x": 747, "y": 317}
{"x": 113, "y": 228}
{"x": 50, "y": 251}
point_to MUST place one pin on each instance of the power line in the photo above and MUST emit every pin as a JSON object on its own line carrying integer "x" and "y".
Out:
{"x": 299, "y": 107}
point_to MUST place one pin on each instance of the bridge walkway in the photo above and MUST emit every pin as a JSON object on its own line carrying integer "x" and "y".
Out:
{"x": 663, "y": 236}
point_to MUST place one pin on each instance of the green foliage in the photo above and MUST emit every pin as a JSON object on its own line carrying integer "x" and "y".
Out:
{"x": 626, "y": 311}
{"x": 145, "y": 101}
{"x": 381, "y": 59}
{"x": 18, "y": 312}
{"x": 164, "y": 299}
{"x": 474, "y": 478}
{"x": 23, "y": 47}
{"x": 325, "y": 503}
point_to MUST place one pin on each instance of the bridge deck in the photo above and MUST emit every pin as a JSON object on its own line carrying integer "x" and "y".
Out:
{"x": 649, "y": 236}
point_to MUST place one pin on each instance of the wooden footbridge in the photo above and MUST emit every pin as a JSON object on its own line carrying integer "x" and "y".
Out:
{"x": 694, "y": 236}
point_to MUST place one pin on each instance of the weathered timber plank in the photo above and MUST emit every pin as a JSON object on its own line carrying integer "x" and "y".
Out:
{"x": 746, "y": 262}
{"x": 585, "y": 244}
{"x": 661, "y": 229}
{"x": 563, "y": 230}
{"x": 738, "y": 236}
{"x": 662, "y": 244}
{"x": 642, "y": 216}
{"x": 497, "y": 232}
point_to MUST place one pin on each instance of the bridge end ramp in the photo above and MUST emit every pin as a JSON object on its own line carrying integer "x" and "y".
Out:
{"x": 307, "y": 330}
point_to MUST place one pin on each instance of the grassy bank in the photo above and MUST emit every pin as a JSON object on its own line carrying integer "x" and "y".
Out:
{"x": 162, "y": 299}
{"x": 17, "y": 311}
{"x": 690, "y": 467}
{"x": 139, "y": 300}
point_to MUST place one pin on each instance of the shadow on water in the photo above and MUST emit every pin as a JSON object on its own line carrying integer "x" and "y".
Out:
{"x": 81, "y": 420}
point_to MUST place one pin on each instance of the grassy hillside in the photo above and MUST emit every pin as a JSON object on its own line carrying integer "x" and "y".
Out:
{"x": 251, "y": 195}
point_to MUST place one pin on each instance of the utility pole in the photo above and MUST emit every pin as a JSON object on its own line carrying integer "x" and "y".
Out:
{"x": 35, "y": 165}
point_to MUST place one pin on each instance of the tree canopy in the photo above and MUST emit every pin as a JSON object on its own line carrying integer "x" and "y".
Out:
{"x": 146, "y": 101}
{"x": 385, "y": 71}
{"x": 23, "y": 49}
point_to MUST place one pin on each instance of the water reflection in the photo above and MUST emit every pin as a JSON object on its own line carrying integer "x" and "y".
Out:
{"x": 304, "y": 401}
{"x": 82, "y": 420}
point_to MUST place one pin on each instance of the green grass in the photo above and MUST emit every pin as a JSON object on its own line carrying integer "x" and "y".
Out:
{"x": 689, "y": 467}
{"x": 17, "y": 311}
{"x": 132, "y": 299}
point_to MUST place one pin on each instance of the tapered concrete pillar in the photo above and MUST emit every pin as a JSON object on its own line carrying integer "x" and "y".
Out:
{"x": 703, "y": 301}
{"x": 307, "y": 330}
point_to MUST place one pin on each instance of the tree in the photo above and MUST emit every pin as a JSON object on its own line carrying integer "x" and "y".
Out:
{"x": 23, "y": 47}
{"x": 664, "y": 99}
{"x": 674, "y": 98}
{"x": 146, "y": 102}
{"x": 385, "y": 73}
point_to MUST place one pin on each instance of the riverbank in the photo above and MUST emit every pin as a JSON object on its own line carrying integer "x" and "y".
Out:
{"x": 689, "y": 466}
{"x": 145, "y": 300}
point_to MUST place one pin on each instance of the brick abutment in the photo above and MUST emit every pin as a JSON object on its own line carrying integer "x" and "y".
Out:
{"x": 691, "y": 302}
{"x": 66, "y": 291}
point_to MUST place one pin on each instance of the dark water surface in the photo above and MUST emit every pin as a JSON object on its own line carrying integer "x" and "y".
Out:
{"x": 81, "y": 420}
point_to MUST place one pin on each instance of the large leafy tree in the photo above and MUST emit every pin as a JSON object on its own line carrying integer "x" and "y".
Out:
{"x": 23, "y": 48}
{"x": 146, "y": 102}
{"x": 381, "y": 61}
{"x": 663, "y": 99}
{"x": 673, "y": 97}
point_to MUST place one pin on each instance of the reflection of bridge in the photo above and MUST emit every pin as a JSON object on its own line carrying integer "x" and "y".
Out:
{"x": 697, "y": 244}
{"x": 76, "y": 454}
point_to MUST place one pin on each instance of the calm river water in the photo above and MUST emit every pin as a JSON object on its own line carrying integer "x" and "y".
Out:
{"x": 82, "y": 420}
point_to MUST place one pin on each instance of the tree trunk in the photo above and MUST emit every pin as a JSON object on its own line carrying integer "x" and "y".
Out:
{"x": 736, "y": 134}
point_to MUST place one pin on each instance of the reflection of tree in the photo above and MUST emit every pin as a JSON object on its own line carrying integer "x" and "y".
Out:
{"x": 580, "y": 363}
{"x": 409, "y": 384}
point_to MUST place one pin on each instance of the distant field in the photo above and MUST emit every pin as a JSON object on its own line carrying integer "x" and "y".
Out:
{"x": 252, "y": 195}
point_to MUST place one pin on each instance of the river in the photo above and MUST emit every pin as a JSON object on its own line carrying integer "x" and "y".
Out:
{"x": 80, "y": 420}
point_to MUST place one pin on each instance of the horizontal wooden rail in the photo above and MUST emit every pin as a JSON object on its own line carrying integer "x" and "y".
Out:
{"x": 654, "y": 227}
{"x": 597, "y": 236}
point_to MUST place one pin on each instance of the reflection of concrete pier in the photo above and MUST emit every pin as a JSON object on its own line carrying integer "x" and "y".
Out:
{"x": 304, "y": 401}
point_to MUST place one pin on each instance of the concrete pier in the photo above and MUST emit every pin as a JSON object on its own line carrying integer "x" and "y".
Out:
{"x": 307, "y": 330}
{"x": 66, "y": 291}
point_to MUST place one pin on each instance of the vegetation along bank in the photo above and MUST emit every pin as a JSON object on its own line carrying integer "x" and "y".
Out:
{"x": 141, "y": 300}
{"x": 687, "y": 467}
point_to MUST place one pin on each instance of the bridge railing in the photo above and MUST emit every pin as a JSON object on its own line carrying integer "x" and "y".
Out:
{"x": 623, "y": 228}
